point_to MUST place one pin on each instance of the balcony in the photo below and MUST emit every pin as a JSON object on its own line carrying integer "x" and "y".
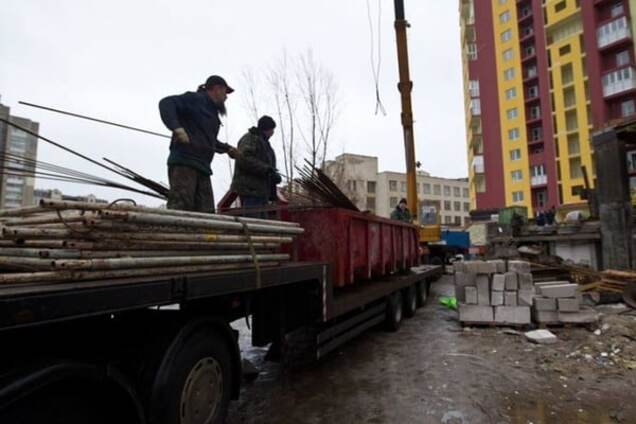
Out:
{"x": 475, "y": 107}
{"x": 539, "y": 180}
{"x": 612, "y": 32}
{"x": 619, "y": 81}
{"x": 478, "y": 164}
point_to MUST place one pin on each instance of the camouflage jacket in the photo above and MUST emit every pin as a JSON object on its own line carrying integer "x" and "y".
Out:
{"x": 255, "y": 170}
{"x": 401, "y": 215}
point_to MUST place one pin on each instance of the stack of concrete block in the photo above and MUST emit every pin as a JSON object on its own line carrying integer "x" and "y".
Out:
{"x": 492, "y": 292}
{"x": 559, "y": 302}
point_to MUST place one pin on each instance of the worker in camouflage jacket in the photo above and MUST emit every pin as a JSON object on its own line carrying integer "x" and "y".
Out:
{"x": 401, "y": 212}
{"x": 255, "y": 175}
{"x": 194, "y": 120}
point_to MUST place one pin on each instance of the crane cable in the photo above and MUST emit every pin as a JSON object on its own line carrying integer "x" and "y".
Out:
{"x": 376, "y": 65}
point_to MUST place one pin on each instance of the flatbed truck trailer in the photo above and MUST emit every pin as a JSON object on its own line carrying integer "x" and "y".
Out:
{"x": 162, "y": 350}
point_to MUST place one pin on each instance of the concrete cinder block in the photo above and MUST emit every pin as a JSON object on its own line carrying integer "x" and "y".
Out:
{"x": 525, "y": 281}
{"x": 498, "y": 282}
{"x": 568, "y": 305}
{"x": 584, "y": 316}
{"x": 541, "y": 337}
{"x": 550, "y": 283}
{"x": 512, "y": 314}
{"x": 496, "y": 298}
{"x": 510, "y": 298}
{"x": 470, "y": 295}
{"x": 511, "y": 281}
{"x": 476, "y": 313}
{"x": 483, "y": 289}
{"x": 545, "y": 304}
{"x": 545, "y": 317}
{"x": 559, "y": 290}
{"x": 462, "y": 280}
{"x": 472, "y": 267}
{"x": 487, "y": 268}
{"x": 518, "y": 266}
{"x": 500, "y": 265}
{"x": 525, "y": 297}
{"x": 458, "y": 266}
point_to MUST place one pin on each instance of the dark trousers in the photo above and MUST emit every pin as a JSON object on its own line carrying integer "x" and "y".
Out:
{"x": 254, "y": 202}
{"x": 190, "y": 190}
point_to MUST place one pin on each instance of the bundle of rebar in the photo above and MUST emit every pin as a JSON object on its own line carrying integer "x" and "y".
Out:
{"x": 60, "y": 241}
{"x": 318, "y": 185}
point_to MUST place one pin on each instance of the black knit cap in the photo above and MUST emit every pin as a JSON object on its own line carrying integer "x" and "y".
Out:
{"x": 402, "y": 200}
{"x": 266, "y": 123}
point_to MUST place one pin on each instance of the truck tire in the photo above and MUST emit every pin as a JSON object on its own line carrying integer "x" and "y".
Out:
{"x": 422, "y": 293}
{"x": 394, "y": 311}
{"x": 410, "y": 301}
{"x": 194, "y": 383}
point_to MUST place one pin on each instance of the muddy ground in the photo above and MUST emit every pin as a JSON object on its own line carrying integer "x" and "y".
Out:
{"x": 435, "y": 371}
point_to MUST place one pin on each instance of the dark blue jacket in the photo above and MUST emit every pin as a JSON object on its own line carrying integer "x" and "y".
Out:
{"x": 197, "y": 114}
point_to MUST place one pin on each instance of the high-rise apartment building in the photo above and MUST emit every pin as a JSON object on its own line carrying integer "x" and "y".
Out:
{"x": 16, "y": 189}
{"x": 539, "y": 75}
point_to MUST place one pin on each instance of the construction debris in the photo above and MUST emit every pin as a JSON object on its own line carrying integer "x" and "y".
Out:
{"x": 75, "y": 241}
{"x": 541, "y": 337}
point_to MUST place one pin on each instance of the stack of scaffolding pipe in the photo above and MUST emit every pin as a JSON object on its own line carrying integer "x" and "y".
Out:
{"x": 75, "y": 241}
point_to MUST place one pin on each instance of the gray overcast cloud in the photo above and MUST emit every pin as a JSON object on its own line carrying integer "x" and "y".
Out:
{"x": 116, "y": 59}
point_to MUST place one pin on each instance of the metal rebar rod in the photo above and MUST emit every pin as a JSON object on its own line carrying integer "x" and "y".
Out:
{"x": 124, "y": 263}
{"x": 106, "y": 254}
{"x": 149, "y": 218}
{"x": 61, "y": 204}
{"x": 83, "y": 276}
{"x": 161, "y": 245}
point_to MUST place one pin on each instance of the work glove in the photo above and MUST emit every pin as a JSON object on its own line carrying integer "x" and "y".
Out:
{"x": 275, "y": 177}
{"x": 181, "y": 136}
{"x": 233, "y": 152}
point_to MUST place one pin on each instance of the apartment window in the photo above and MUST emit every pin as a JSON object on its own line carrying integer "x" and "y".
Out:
{"x": 537, "y": 171}
{"x": 472, "y": 51}
{"x": 502, "y": 1}
{"x": 504, "y": 17}
{"x": 517, "y": 196}
{"x": 509, "y": 74}
{"x": 575, "y": 168}
{"x": 560, "y": 6}
{"x": 437, "y": 190}
{"x": 577, "y": 190}
{"x": 511, "y": 93}
{"x": 473, "y": 88}
{"x": 507, "y": 55}
{"x": 370, "y": 186}
{"x": 466, "y": 207}
{"x": 403, "y": 186}
{"x": 351, "y": 185}
{"x": 515, "y": 154}
{"x": 531, "y": 72}
{"x": 622, "y": 58}
{"x": 426, "y": 187}
{"x": 513, "y": 134}
{"x": 447, "y": 205}
{"x": 567, "y": 74}
{"x": 628, "y": 108}
{"x": 535, "y": 134}
{"x": 533, "y": 92}
{"x": 512, "y": 113}
{"x": 573, "y": 144}
{"x": 447, "y": 191}
{"x": 448, "y": 219}
{"x": 465, "y": 192}
{"x": 516, "y": 175}
{"x": 457, "y": 192}
{"x": 506, "y": 35}
{"x": 392, "y": 185}
{"x": 458, "y": 220}
{"x": 617, "y": 9}
{"x": 535, "y": 112}
{"x": 565, "y": 50}
{"x": 457, "y": 206}
{"x": 393, "y": 202}
{"x": 371, "y": 203}
{"x": 475, "y": 107}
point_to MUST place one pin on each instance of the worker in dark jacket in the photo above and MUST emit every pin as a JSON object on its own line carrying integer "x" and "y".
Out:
{"x": 194, "y": 121}
{"x": 401, "y": 212}
{"x": 255, "y": 175}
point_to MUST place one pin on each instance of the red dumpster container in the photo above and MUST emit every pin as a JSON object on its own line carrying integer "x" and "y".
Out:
{"x": 358, "y": 246}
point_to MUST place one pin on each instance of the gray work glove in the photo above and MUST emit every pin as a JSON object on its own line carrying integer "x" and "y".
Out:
{"x": 181, "y": 136}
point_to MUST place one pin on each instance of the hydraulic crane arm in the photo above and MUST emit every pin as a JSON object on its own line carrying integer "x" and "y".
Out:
{"x": 406, "y": 86}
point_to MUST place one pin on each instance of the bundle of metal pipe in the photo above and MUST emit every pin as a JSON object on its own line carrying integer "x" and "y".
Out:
{"x": 317, "y": 184}
{"x": 59, "y": 241}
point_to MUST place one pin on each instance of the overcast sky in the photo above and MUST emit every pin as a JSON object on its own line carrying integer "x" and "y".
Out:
{"x": 116, "y": 59}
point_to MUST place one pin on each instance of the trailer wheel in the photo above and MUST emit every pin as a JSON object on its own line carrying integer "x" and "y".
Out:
{"x": 422, "y": 293}
{"x": 394, "y": 311}
{"x": 195, "y": 382}
{"x": 410, "y": 301}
